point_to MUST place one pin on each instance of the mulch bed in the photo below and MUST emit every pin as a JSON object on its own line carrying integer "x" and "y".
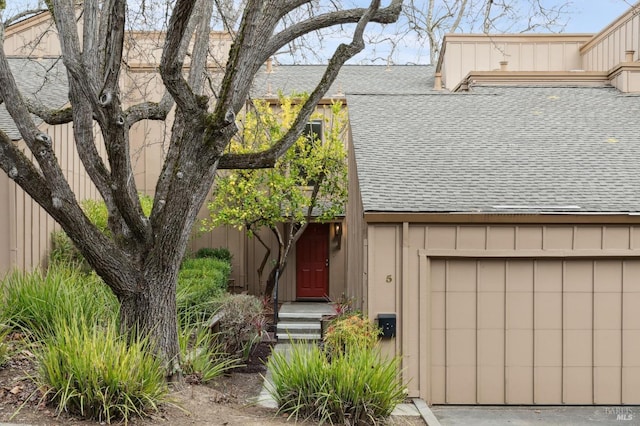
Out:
{"x": 257, "y": 360}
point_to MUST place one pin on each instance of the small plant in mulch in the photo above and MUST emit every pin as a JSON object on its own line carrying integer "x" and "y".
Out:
{"x": 202, "y": 355}
{"x": 343, "y": 306}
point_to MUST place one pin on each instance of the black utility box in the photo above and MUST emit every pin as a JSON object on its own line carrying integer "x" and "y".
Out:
{"x": 387, "y": 322}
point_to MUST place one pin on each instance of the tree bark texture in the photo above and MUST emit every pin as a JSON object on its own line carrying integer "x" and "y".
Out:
{"x": 140, "y": 262}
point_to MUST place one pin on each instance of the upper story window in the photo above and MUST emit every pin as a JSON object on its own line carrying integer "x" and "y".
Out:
{"x": 313, "y": 130}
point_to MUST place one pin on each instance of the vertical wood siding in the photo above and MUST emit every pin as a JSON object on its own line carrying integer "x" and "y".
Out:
{"x": 511, "y": 314}
{"x": 608, "y": 48}
{"x": 29, "y": 227}
{"x": 524, "y": 53}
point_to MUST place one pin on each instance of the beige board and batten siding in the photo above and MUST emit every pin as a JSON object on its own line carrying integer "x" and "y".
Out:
{"x": 615, "y": 50}
{"x": 27, "y": 227}
{"x": 512, "y": 314}
{"x": 34, "y": 37}
{"x": 356, "y": 235}
{"x": 5, "y": 225}
{"x": 607, "y": 49}
{"x": 527, "y": 52}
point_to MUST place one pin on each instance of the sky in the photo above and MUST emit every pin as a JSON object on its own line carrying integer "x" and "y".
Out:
{"x": 591, "y": 16}
{"x": 585, "y": 16}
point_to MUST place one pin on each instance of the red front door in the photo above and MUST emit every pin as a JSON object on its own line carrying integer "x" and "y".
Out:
{"x": 312, "y": 262}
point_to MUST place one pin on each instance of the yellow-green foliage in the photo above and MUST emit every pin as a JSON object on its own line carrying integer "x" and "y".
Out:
{"x": 92, "y": 371}
{"x": 263, "y": 197}
{"x": 350, "y": 332}
{"x": 35, "y": 302}
{"x": 96, "y": 211}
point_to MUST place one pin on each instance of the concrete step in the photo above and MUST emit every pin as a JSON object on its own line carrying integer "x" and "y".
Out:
{"x": 301, "y": 321}
{"x": 298, "y": 327}
{"x": 284, "y": 337}
{"x": 300, "y": 316}
{"x": 298, "y": 330}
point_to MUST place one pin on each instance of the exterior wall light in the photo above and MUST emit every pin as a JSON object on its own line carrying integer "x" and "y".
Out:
{"x": 337, "y": 233}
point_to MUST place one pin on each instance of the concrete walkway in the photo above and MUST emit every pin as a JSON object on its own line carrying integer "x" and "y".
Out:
{"x": 536, "y": 415}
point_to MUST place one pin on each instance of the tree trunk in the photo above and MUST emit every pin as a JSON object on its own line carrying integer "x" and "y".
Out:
{"x": 271, "y": 279}
{"x": 151, "y": 312}
{"x": 280, "y": 264}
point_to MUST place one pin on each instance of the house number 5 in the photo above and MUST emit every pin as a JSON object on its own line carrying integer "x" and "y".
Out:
{"x": 389, "y": 279}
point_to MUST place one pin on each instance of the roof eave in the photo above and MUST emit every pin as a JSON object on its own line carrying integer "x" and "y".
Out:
{"x": 501, "y": 217}
{"x": 542, "y": 78}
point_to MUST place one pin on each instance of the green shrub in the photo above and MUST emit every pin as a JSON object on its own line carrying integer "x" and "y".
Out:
{"x": 96, "y": 211}
{"x": 356, "y": 387}
{"x": 201, "y": 285}
{"x": 33, "y": 302}
{"x": 64, "y": 252}
{"x": 352, "y": 331}
{"x": 221, "y": 253}
{"x": 242, "y": 324}
{"x": 62, "y": 248}
{"x": 203, "y": 354}
{"x": 91, "y": 371}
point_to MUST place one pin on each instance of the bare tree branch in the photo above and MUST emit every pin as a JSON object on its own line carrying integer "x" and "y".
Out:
{"x": 383, "y": 16}
{"x": 171, "y": 63}
{"x": 343, "y": 53}
{"x": 49, "y": 116}
{"x": 24, "y": 14}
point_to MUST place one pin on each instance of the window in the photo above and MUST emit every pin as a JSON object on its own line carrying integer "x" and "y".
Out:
{"x": 313, "y": 130}
{"x": 313, "y": 135}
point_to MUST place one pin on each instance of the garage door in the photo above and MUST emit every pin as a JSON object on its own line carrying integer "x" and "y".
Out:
{"x": 547, "y": 331}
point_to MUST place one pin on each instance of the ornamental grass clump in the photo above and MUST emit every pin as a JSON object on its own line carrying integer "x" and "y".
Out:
{"x": 348, "y": 382}
{"x": 4, "y": 345}
{"x": 33, "y": 302}
{"x": 358, "y": 387}
{"x": 202, "y": 354}
{"x": 92, "y": 371}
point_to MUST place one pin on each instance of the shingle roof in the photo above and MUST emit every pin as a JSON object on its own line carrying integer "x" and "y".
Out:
{"x": 499, "y": 149}
{"x": 43, "y": 80}
{"x": 52, "y": 91}
{"x": 394, "y": 79}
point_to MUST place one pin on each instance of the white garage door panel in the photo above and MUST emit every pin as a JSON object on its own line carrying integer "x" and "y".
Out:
{"x": 535, "y": 331}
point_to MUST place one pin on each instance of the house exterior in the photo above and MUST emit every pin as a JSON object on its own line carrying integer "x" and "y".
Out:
{"x": 328, "y": 250}
{"x": 494, "y": 208}
{"x": 497, "y": 216}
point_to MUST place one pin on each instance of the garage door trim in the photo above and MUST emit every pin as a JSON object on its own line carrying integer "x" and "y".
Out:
{"x": 425, "y": 297}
